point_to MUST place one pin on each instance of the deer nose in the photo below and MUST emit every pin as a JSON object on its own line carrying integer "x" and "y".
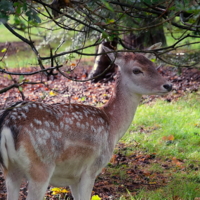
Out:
{"x": 168, "y": 87}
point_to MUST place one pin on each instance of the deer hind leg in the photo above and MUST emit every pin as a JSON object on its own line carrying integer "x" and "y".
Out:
{"x": 38, "y": 183}
{"x": 75, "y": 191}
{"x": 36, "y": 190}
{"x": 13, "y": 183}
{"x": 83, "y": 190}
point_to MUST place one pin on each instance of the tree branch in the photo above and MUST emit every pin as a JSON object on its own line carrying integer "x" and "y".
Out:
{"x": 30, "y": 43}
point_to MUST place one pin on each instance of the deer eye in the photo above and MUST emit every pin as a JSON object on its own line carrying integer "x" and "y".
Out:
{"x": 137, "y": 71}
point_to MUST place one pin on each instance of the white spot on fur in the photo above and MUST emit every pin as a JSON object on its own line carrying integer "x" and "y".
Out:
{"x": 14, "y": 113}
{"x": 86, "y": 113}
{"x": 31, "y": 125}
{"x": 34, "y": 105}
{"x": 38, "y": 122}
{"x": 52, "y": 124}
{"x": 78, "y": 124}
{"x": 100, "y": 120}
{"x": 93, "y": 129}
{"x": 43, "y": 136}
{"x": 59, "y": 134}
{"x": 80, "y": 115}
{"x": 75, "y": 115}
{"x": 82, "y": 126}
{"x": 61, "y": 125}
{"x": 23, "y": 115}
{"x": 67, "y": 120}
{"x": 49, "y": 111}
{"x": 67, "y": 127}
{"x": 100, "y": 129}
{"x": 46, "y": 123}
{"x": 19, "y": 117}
{"x": 13, "y": 117}
{"x": 40, "y": 107}
{"x": 26, "y": 109}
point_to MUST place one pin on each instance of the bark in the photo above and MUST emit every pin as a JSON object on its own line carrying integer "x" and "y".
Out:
{"x": 103, "y": 67}
{"x": 145, "y": 39}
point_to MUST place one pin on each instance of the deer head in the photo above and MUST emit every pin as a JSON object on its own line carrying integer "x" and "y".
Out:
{"x": 139, "y": 73}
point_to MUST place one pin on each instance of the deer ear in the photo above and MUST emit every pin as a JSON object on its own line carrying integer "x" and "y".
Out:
{"x": 112, "y": 55}
{"x": 154, "y": 46}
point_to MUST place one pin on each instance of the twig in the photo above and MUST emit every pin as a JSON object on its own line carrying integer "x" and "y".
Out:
{"x": 17, "y": 85}
{"x": 31, "y": 73}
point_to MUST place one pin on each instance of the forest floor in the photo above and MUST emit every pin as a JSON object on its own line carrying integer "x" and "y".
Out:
{"x": 110, "y": 184}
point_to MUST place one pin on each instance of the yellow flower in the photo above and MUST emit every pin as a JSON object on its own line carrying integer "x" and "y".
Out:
{"x": 52, "y": 93}
{"x": 95, "y": 197}
{"x": 64, "y": 191}
{"x": 58, "y": 191}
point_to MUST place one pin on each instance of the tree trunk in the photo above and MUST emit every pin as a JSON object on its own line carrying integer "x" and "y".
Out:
{"x": 145, "y": 39}
{"x": 102, "y": 67}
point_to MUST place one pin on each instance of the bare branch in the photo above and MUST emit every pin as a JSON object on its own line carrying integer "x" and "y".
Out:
{"x": 30, "y": 73}
{"x": 17, "y": 85}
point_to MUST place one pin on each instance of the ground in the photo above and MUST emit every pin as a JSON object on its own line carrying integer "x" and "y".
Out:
{"x": 126, "y": 171}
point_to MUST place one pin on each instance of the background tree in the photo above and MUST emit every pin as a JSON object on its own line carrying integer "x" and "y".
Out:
{"x": 68, "y": 28}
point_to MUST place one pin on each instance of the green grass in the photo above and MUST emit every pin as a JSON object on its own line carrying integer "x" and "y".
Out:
{"x": 177, "y": 190}
{"x": 170, "y": 131}
{"x": 162, "y": 120}
{"x": 177, "y": 34}
{"x": 6, "y": 36}
{"x": 19, "y": 60}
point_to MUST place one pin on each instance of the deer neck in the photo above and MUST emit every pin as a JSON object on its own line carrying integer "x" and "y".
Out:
{"x": 120, "y": 109}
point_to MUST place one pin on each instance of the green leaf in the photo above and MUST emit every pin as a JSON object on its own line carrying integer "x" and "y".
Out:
{"x": 18, "y": 7}
{"x": 107, "y": 5}
{"x": 19, "y": 23}
{"x": 110, "y": 21}
{"x": 83, "y": 98}
{"x": 20, "y": 88}
{"x": 21, "y": 78}
{"x": 4, "y": 50}
{"x": 7, "y": 76}
{"x": 33, "y": 16}
{"x": 104, "y": 34}
{"x": 6, "y": 8}
{"x": 153, "y": 59}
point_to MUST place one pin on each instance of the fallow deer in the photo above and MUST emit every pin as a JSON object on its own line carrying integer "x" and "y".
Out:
{"x": 69, "y": 144}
